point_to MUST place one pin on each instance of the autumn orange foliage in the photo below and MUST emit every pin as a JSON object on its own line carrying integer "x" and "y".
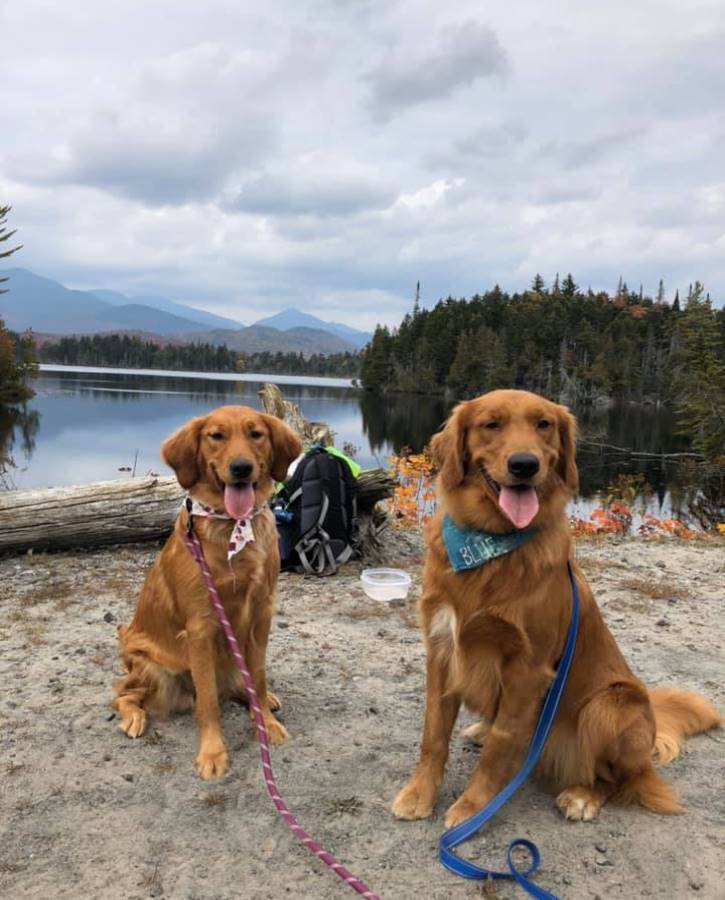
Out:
{"x": 617, "y": 519}
{"x": 413, "y": 500}
{"x": 413, "y": 503}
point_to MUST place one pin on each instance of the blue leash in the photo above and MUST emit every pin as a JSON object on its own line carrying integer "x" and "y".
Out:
{"x": 460, "y": 833}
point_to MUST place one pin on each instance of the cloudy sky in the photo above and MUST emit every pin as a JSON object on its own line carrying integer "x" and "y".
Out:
{"x": 327, "y": 155}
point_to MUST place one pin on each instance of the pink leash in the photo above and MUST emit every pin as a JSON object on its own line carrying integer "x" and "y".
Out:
{"x": 194, "y": 546}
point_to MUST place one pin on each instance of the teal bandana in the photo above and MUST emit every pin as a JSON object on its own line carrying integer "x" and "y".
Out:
{"x": 469, "y": 548}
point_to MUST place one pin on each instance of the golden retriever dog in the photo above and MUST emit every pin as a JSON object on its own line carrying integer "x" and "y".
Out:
{"x": 494, "y": 634}
{"x": 174, "y": 652}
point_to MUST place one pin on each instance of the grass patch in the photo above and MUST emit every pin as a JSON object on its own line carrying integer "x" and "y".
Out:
{"x": 152, "y": 881}
{"x": 215, "y": 798}
{"x": 350, "y": 806}
{"x": 51, "y": 590}
{"x": 655, "y": 590}
{"x": 589, "y": 563}
{"x": 378, "y": 611}
{"x": 153, "y": 737}
{"x": 488, "y": 889}
{"x": 7, "y": 868}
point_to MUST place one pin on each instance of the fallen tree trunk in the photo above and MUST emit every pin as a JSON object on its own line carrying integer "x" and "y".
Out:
{"x": 116, "y": 512}
{"x": 140, "y": 509}
{"x": 107, "y": 512}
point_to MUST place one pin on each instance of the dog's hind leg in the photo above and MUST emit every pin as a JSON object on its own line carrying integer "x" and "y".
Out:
{"x": 238, "y": 691}
{"x": 147, "y": 689}
{"x": 131, "y": 691}
{"x": 616, "y": 736}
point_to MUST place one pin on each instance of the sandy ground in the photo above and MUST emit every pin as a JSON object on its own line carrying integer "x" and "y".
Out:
{"x": 86, "y": 812}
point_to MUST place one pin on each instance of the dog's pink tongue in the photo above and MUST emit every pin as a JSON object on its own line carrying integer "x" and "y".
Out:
{"x": 519, "y": 504}
{"x": 238, "y": 501}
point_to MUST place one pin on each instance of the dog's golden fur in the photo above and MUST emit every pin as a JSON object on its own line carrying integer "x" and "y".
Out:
{"x": 493, "y": 635}
{"x": 173, "y": 651}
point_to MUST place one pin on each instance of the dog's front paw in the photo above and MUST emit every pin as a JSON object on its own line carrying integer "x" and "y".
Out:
{"x": 275, "y": 703}
{"x": 212, "y": 763}
{"x": 133, "y": 722}
{"x": 461, "y": 810}
{"x": 276, "y": 731}
{"x": 415, "y": 801}
{"x": 578, "y": 804}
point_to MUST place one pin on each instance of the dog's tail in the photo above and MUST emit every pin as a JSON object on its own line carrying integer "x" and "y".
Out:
{"x": 649, "y": 790}
{"x": 678, "y": 714}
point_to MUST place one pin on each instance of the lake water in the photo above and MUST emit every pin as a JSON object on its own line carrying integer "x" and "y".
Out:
{"x": 86, "y": 424}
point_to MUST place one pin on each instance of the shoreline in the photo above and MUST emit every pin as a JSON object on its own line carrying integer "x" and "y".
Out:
{"x": 254, "y": 377}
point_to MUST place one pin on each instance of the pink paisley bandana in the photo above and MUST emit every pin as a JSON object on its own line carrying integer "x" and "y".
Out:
{"x": 242, "y": 533}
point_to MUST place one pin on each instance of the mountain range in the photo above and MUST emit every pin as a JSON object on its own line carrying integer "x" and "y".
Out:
{"x": 290, "y": 319}
{"x": 46, "y": 306}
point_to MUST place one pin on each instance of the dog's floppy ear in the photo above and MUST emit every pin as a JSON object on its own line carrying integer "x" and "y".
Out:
{"x": 181, "y": 451}
{"x": 566, "y": 464}
{"x": 448, "y": 449}
{"x": 286, "y": 446}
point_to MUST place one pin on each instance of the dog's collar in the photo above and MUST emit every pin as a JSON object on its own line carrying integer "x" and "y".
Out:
{"x": 469, "y": 548}
{"x": 242, "y": 533}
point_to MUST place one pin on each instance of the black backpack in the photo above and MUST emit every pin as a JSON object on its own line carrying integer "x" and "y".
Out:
{"x": 316, "y": 512}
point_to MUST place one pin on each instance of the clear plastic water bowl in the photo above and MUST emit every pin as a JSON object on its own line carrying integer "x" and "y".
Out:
{"x": 385, "y": 584}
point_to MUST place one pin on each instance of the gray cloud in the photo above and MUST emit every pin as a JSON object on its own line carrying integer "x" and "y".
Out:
{"x": 465, "y": 52}
{"x": 161, "y": 140}
{"x": 329, "y": 155}
{"x": 158, "y": 166}
{"x": 587, "y": 151}
{"x": 315, "y": 187}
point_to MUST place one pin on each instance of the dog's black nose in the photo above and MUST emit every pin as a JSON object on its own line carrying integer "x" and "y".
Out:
{"x": 240, "y": 469}
{"x": 523, "y": 465}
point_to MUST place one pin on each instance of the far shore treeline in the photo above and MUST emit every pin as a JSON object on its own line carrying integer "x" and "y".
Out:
{"x": 131, "y": 352}
{"x": 558, "y": 341}
{"x": 571, "y": 345}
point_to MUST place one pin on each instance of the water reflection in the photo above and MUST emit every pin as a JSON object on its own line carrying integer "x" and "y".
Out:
{"x": 401, "y": 420}
{"x": 19, "y": 426}
{"x": 85, "y": 426}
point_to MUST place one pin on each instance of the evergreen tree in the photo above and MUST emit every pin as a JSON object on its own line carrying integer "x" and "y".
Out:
{"x": 17, "y": 362}
{"x": 538, "y": 284}
{"x": 5, "y": 235}
{"x": 700, "y": 375}
{"x": 568, "y": 287}
{"x": 376, "y": 364}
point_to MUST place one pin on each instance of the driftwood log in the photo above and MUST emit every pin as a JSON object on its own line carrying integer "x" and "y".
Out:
{"x": 138, "y": 509}
{"x": 310, "y": 432}
{"x": 106, "y": 512}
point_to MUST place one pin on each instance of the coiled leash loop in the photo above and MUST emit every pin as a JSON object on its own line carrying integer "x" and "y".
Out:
{"x": 460, "y": 833}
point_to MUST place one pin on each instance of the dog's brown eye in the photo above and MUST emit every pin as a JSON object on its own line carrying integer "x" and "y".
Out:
{"x": 543, "y": 424}
{"x": 492, "y": 426}
{"x": 216, "y": 436}
{"x": 255, "y": 435}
